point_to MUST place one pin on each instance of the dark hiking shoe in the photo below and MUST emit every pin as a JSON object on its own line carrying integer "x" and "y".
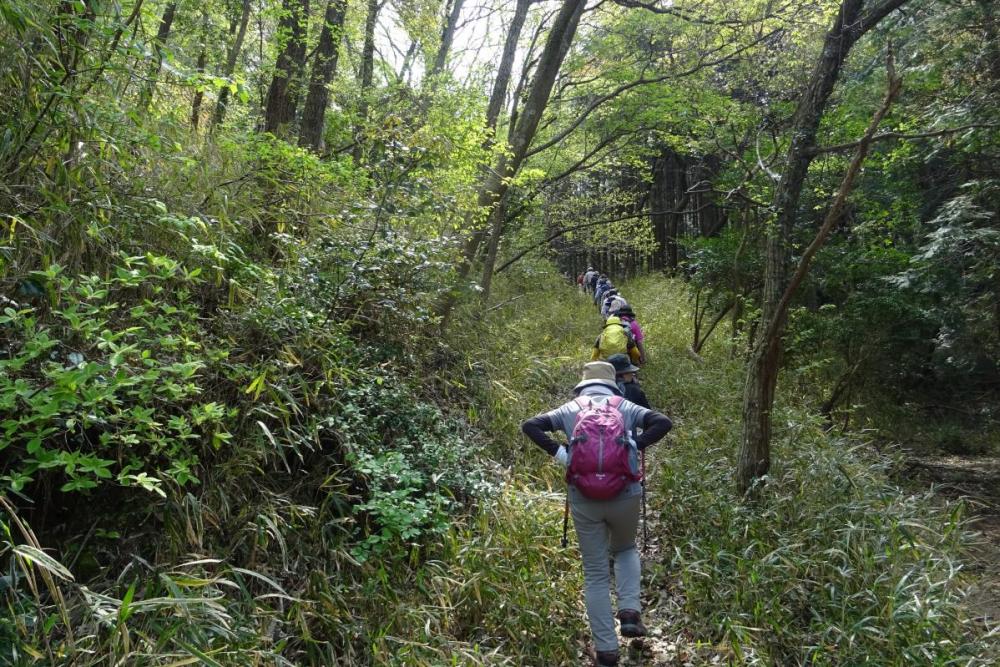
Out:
{"x": 631, "y": 623}
{"x": 607, "y": 659}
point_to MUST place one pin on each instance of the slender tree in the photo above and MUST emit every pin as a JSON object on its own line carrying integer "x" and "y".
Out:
{"x": 853, "y": 20}
{"x": 497, "y": 179}
{"x": 283, "y": 93}
{"x": 367, "y": 73}
{"x": 238, "y": 30}
{"x": 199, "y": 94}
{"x": 162, "y": 35}
{"x": 453, "y": 12}
{"x": 323, "y": 70}
{"x": 497, "y": 97}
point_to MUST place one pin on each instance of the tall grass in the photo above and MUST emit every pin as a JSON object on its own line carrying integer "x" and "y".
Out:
{"x": 834, "y": 565}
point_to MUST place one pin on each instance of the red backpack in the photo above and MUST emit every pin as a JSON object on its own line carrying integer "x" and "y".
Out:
{"x": 599, "y": 450}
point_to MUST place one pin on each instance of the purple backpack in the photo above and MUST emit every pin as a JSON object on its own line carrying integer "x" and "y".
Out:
{"x": 599, "y": 450}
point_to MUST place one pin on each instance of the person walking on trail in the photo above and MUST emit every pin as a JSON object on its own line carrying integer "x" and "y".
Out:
{"x": 615, "y": 337}
{"x": 589, "y": 280}
{"x": 605, "y": 515}
{"x": 627, "y": 316}
{"x": 628, "y": 383}
{"x": 594, "y": 278}
{"x": 603, "y": 285}
{"x": 615, "y": 304}
{"x": 612, "y": 302}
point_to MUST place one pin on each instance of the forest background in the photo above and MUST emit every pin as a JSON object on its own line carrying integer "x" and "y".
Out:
{"x": 280, "y": 278}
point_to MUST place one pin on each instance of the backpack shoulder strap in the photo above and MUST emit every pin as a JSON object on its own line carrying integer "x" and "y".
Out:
{"x": 615, "y": 401}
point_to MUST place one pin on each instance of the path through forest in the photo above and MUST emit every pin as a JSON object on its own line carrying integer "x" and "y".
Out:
{"x": 669, "y": 641}
{"x": 973, "y": 478}
{"x": 977, "y": 480}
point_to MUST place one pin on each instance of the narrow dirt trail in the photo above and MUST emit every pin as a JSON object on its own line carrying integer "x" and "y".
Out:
{"x": 669, "y": 642}
{"x": 977, "y": 480}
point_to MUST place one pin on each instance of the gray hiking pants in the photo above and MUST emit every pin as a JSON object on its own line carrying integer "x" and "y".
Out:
{"x": 608, "y": 528}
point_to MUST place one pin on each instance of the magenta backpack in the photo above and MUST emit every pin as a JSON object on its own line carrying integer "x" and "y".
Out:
{"x": 599, "y": 451}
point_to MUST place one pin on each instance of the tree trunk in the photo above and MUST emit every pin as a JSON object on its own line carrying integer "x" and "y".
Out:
{"x": 324, "y": 69}
{"x": 162, "y": 34}
{"x": 498, "y": 216}
{"x": 851, "y": 23}
{"x": 283, "y": 94}
{"x": 497, "y": 97}
{"x": 501, "y": 83}
{"x": 231, "y": 57}
{"x": 497, "y": 180}
{"x": 447, "y": 37}
{"x": 367, "y": 75}
{"x": 199, "y": 94}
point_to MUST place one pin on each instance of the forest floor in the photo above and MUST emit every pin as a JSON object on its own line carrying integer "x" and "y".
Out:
{"x": 669, "y": 642}
{"x": 977, "y": 480}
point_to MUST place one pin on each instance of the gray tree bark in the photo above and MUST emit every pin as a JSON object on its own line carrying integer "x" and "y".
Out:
{"x": 852, "y": 21}
{"x": 324, "y": 69}
{"x": 367, "y": 75}
{"x": 283, "y": 93}
{"x": 162, "y": 35}
{"x": 231, "y": 57}
{"x": 447, "y": 38}
{"x": 497, "y": 180}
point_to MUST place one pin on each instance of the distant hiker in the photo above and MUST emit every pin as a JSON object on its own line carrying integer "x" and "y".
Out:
{"x": 594, "y": 278}
{"x": 628, "y": 383}
{"x": 606, "y": 300}
{"x": 605, "y": 514}
{"x": 579, "y": 281}
{"x": 590, "y": 280}
{"x": 613, "y": 302}
{"x": 603, "y": 285}
{"x": 627, "y": 316}
{"x": 615, "y": 338}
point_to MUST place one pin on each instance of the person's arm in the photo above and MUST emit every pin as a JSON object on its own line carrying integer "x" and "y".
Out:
{"x": 635, "y": 355}
{"x": 655, "y": 425}
{"x": 642, "y": 351}
{"x": 537, "y": 429}
{"x": 634, "y": 393}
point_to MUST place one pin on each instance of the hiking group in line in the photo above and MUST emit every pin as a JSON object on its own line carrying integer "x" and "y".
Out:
{"x": 608, "y": 426}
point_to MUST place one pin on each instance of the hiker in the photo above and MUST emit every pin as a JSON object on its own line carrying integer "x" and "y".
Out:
{"x": 616, "y": 304}
{"x": 603, "y": 285}
{"x": 613, "y": 301}
{"x": 605, "y": 515}
{"x": 615, "y": 337}
{"x": 627, "y": 316}
{"x": 628, "y": 383}
{"x": 594, "y": 278}
{"x": 579, "y": 282}
{"x": 589, "y": 280}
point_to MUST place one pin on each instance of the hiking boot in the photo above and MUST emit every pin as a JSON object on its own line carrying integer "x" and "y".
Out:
{"x": 631, "y": 623}
{"x": 607, "y": 659}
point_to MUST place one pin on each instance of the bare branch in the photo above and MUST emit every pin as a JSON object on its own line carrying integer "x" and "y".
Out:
{"x": 902, "y": 135}
{"x": 702, "y": 64}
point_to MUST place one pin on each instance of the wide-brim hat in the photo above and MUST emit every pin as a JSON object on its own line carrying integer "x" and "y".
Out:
{"x": 622, "y": 364}
{"x": 598, "y": 373}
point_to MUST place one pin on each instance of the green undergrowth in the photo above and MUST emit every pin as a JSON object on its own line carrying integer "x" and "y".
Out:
{"x": 835, "y": 564}
{"x": 268, "y": 487}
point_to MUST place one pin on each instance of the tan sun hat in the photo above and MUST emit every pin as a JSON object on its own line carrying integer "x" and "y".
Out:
{"x": 598, "y": 372}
